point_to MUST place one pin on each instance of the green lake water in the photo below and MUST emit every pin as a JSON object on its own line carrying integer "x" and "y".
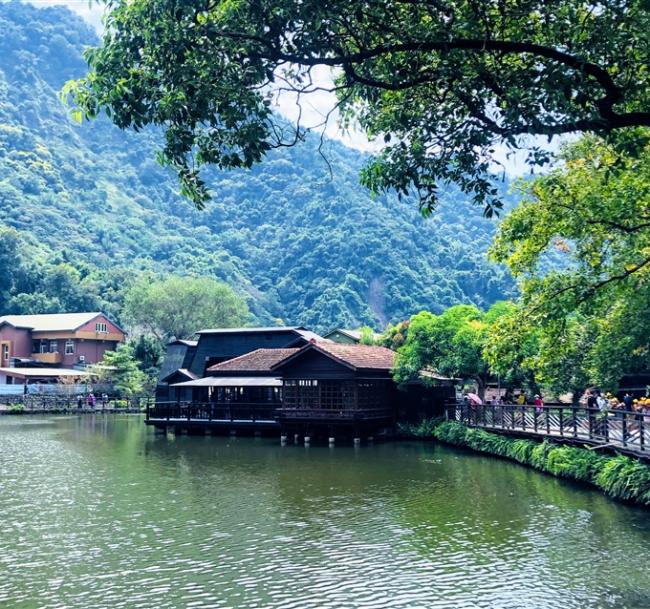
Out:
{"x": 97, "y": 511}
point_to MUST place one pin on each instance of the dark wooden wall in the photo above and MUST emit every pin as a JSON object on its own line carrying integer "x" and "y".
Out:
{"x": 214, "y": 348}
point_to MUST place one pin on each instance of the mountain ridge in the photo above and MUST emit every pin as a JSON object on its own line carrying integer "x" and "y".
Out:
{"x": 304, "y": 246}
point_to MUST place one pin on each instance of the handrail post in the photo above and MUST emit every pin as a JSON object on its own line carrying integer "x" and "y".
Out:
{"x": 642, "y": 432}
{"x": 562, "y": 422}
{"x": 575, "y": 422}
{"x": 535, "y": 415}
{"x": 624, "y": 430}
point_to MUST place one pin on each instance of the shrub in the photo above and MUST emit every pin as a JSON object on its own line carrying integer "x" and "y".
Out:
{"x": 618, "y": 476}
{"x": 423, "y": 429}
{"x": 625, "y": 478}
{"x": 17, "y": 408}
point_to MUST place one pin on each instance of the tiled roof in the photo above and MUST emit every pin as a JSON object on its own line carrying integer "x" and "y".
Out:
{"x": 360, "y": 356}
{"x": 366, "y": 357}
{"x": 260, "y": 360}
{"x": 50, "y": 322}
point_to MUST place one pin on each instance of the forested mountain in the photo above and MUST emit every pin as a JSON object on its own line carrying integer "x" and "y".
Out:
{"x": 305, "y": 245}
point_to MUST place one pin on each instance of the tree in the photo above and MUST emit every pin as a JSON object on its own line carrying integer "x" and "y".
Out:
{"x": 148, "y": 352}
{"x": 451, "y": 343}
{"x": 366, "y": 335}
{"x": 580, "y": 245}
{"x": 180, "y": 306}
{"x": 120, "y": 368}
{"x": 441, "y": 83}
{"x": 10, "y": 262}
{"x": 395, "y": 335}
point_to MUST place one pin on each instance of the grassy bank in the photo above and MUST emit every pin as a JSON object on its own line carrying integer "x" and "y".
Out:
{"x": 618, "y": 476}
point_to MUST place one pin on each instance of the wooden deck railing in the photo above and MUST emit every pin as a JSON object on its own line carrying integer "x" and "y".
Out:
{"x": 624, "y": 429}
{"x": 255, "y": 412}
{"x": 208, "y": 411}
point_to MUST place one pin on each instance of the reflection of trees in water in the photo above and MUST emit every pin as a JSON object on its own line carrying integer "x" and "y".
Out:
{"x": 469, "y": 516}
{"x": 514, "y": 519}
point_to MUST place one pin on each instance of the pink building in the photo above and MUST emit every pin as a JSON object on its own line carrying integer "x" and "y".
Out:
{"x": 60, "y": 340}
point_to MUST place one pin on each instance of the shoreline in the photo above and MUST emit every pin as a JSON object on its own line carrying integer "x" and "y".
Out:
{"x": 618, "y": 476}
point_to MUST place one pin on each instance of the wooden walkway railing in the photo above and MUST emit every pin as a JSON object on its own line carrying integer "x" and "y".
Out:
{"x": 272, "y": 412}
{"x": 59, "y": 403}
{"x": 208, "y": 411}
{"x": 624, "y": 429}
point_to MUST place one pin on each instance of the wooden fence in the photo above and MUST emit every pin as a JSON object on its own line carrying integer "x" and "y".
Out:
{"x": 623, "y": 429}
{"x": 59, "y": 403}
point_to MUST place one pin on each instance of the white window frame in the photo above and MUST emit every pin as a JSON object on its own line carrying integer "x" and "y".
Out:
{"x": 69, "y": 347}
{"x": 53, "y": 347}
{"x": 101, "y": 327}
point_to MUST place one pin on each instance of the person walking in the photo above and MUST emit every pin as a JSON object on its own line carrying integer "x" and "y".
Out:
{"x": 628, "y": 400}
{"x": 91, "y": 400}
{"x": 539, "y": 403}
{"x": 592, "y": 402}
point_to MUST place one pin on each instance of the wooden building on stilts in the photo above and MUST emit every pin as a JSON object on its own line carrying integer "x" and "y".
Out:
{"x": 312, "y": 388}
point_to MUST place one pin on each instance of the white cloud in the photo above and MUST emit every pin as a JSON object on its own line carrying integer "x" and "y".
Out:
{"x": 90, "y": 10}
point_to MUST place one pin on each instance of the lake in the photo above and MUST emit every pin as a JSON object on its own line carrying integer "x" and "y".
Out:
{"x": 97, "y": 511}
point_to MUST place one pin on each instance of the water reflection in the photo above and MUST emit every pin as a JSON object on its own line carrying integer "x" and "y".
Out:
{"x": 99, "y": 512}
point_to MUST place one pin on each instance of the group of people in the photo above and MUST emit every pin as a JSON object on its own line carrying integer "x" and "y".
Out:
{"x": 91, "y": 400}
{"x": 521, "y": 399}
{"x": 593, "y": 398}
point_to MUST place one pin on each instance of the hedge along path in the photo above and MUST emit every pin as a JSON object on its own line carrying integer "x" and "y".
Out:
{"x": 617, "y": 476}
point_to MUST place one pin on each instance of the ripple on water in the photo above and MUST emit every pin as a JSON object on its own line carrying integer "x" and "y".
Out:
{"x": 109, "y": 516}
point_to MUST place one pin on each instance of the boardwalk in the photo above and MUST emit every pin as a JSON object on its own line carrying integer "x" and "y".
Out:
{"x": 623, "y": 430}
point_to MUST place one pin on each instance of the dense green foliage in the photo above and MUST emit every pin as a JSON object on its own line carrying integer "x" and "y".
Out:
{"x": 619, "y": 476}
{"x": 589, "y": 317}
{"x": 442, "y": 83}
{"x": 121, "y": 369}
{"x": 299, "y": 244}
{"x": 451, "y": 343}
{"x": 177, "y": 306}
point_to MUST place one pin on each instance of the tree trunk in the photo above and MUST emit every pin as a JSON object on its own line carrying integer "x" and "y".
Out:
{"x": 480, "y": 387}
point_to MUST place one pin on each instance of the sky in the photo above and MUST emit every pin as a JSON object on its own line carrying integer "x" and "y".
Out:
{"x": 315, "y": 106}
